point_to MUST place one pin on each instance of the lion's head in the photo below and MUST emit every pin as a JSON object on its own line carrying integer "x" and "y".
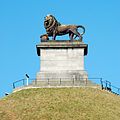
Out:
{"x": 50, "y": 23}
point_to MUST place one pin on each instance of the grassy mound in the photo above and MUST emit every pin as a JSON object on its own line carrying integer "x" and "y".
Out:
{"x": 60, "y": 104}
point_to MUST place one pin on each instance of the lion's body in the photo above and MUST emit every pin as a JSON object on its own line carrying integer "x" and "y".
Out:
{"x": 54, "y": 28}
{"x": 64, "y": 29}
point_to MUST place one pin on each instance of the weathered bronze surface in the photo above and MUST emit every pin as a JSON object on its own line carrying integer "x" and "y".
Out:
{"x": 54, "y": 28}
{"x": 44, "y": 38}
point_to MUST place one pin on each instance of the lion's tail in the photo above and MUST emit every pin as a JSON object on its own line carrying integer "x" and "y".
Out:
{"x": 80, "y": 26}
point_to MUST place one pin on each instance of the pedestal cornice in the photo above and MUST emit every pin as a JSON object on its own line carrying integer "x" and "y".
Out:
{"x": 61, "y": 44}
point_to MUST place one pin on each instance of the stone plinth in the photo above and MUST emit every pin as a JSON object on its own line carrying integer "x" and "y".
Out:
{"x": 61, "y": 59}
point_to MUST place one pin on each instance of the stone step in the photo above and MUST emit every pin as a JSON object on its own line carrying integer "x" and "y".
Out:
{"x": 63, "y": 83}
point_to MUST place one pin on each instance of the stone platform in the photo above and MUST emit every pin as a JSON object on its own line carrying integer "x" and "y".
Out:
{"x": 62, "y": 59}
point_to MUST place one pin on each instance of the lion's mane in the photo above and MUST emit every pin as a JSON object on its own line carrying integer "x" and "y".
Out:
{"x": 51, "y": 24}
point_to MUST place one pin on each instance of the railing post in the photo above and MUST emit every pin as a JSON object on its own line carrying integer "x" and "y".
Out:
{"x": 119, "y": 91}
{"x": 48, "y": 81}
{"x": 23, "y": 82}
{"x": 60, "y": 81}
{"x": 101, "y": 83}
{"x": 13, "y": 86}
{"x": 27, "y": 82}
{"x": 110, "y": 88}
{"x": 73, "y": 81}
{"x": 106, "y": 84}
{"x": 86, "y": 81}
{"x": 35, "y": 81}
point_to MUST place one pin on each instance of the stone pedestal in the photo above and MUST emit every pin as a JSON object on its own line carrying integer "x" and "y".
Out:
{"x": 61, "y": 59}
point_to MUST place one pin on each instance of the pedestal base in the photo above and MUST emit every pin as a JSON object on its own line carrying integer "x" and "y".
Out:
{"x": 63, "y": 75}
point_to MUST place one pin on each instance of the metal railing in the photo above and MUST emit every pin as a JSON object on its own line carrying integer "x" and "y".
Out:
{"x": 57, "y": 82}
{"x": 84, "y": 82}
{"x": 106, "y": 85}
{"x": 22, "y": 82}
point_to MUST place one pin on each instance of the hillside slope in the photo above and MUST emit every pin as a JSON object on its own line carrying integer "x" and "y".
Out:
{"x": 60, "y": 104}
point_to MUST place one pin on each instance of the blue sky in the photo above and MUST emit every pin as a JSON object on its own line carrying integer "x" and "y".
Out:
{"x": 21, "y": 24}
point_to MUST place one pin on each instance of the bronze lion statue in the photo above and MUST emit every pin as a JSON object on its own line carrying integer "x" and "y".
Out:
{"x": 55, "y": 28}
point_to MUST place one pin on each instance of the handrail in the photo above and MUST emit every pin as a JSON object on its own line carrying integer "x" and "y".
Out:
{"x": 73, "y": 81}
{"x": 105, "y": 84}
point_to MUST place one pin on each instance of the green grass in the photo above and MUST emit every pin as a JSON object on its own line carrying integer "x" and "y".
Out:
{"x": 60, "y": 104}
